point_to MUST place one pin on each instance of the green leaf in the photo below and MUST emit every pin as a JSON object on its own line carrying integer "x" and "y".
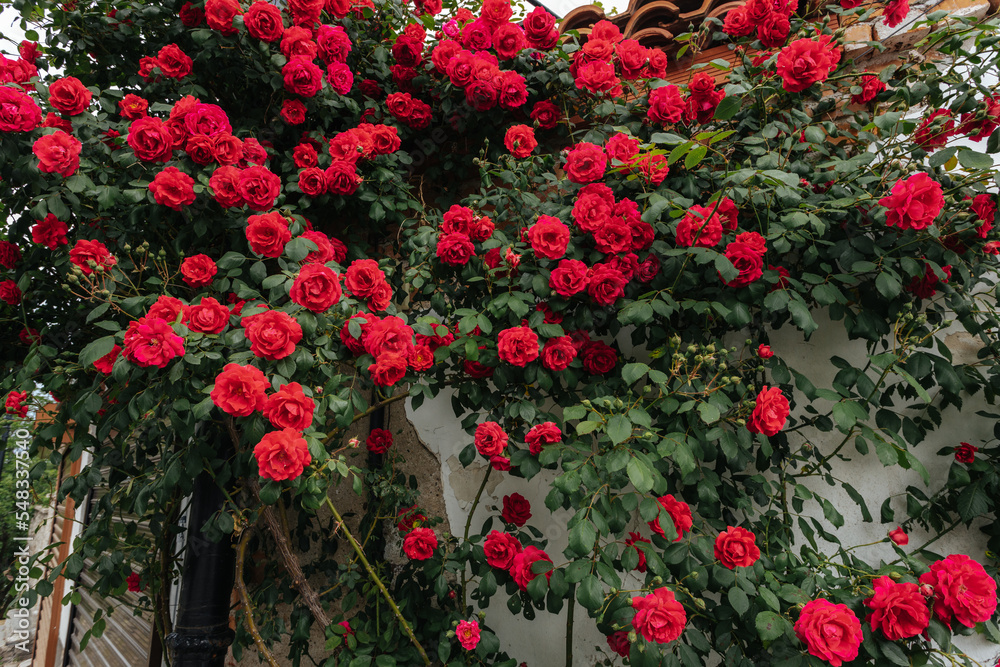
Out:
{"x": 974, "y": 160}
{"x": 95, "y": 350}
{"x": 801, "y": 316}
{"x": 709, "y": 413}
{"x": 894, "y": 654}
{"x": 728, "y": 107}
{"x": 230, "y": 260}
{"x": 619, "y": 429}
{"x": 590, "y": 593}
{"x": 696, "y": 155}
{"x": 632, "y": 372}
{"x": 770, "y": 626}
{"x": 738, "y": 600}
{"x": 888, "y": 284}
{"x": 639, "y": 475}
{"x": 582, "y": 537}
{"x": 972, "y": 502}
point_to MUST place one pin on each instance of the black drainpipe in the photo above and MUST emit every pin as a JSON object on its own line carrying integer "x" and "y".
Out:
{"x": 201, "y": 633}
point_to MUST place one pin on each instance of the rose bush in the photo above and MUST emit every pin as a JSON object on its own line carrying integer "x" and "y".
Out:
{"x": 287, "y": 219}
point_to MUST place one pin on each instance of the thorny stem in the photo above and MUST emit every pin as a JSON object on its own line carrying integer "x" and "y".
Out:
{"x": 468, "y": 525}
{"x": 376, "y": 580}
{"x": 245, "y": 598}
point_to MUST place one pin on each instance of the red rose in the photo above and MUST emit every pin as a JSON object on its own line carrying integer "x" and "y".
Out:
{"x": 316, "y": 288}
{"x": 630, "y": 542}
{"x": 324, "y": 248}
{"x": 598, "y": 358}
{"x": 263, "y": 21}
{"x": 208, "y": 316}
{"x": 49, "y": 232}
{"x": 619, "y": 643}
{"x": 385, "y": 139}
{"x": 700, "y": 226}
{"x": 899, "y": 609}
{"x": 585, "y": 162}
{"x": 934, "y": 131}
{"x": 150, "y": 341}
{"x": 15, "y": 403}
{"x": 773, "y": 33}
{"x": 172, "y": 187}
{"x": 289, "y": 408}
{"x": 962, "y": 589}
{"x": 658, "y": 616}
{"x": 569, "y": 278}
{"x": 747, "y": 261}
{"x": 517, "y": 346}
{"x": 293, "y": 112}
{"x": 899, "y": 536}
{"x": 58, "y": 153}
{"x": 871, "y": 86}
{"x": 85, "y": 252}
{"x": 388, "y": 369}
{"x": 240, "y": 390}
{"x": 831, "y": 632}
{"x": 606, "y": 285}
{"x": 736, "y": 547}
{"x": 408, "y": 518}
{"x": 458, "y": 220}
{"x": 18, "y": 112}
{"x": 501, "y": 548}
{"x": 173, "y": 62}
{"x": 166, "y": 308}
{"x": 334, "y": 44}
{"x": 363, "y": 277}
{"x": 259, "y": 187}
{"x": 379, "y": 441}
{"x": 895, "y": 11}
{"x": 306, "y": 12}
{"x": 202, "y": 118}
{"x": 133, "y": 107}
{"x": 546, "y": 433}
{"x": 666, "y": 105}
{"x": 680, "y": 514}
{"x": 420, "y": 544}
{"x": 10, "y": 292}
{"x": 199, "y": 149}
{"x": 598, "y": 76}
{"x": 198, "y": 270}
{"x": 69, "y": 96}
{"x": 966, "y": 453}
{"x": 273, "y": 334}
{"x": 522, "y": 569}
{"x": 282, "y": 454}
{"x": 225, "y": 183}
{"x": 191, "y": 16}
{"x": 770, "y": 412}
{"x": 268, "y": 234}
{"x": 558, "y": 353}
{"x": 913, "y": 203}
{"x": 764, "y": 351}
{"x": 455, "y": 249}
{"x": 220, "y": 14}
{"x": 520, "y": 141}
{"x": 516, "y": 509}
{"x": 549, "y": 237}
{"x": 106, "y": 364}
{"x": 540, "y": 29}
{"x": 806, "y": 61}
{"x": 305, "y": 155}
{"x": 302, "y": 76}
{"x": 389, "y": 335}
{"x": 226, "y": 149}
{"x": 312, "y": 182}
{"x": 342, "y": 178}
{"x": 490, "y": 439}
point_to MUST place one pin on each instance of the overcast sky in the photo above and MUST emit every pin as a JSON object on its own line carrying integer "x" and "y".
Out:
{"x": 10, "y": 28}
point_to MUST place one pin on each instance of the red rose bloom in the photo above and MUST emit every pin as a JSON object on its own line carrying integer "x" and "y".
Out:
{"x": 501, "y": 548}
{"x": 289, "y": 408}
{"x": 282, "y": 454}
{"x": 420, "y": 544}
{"x": 133, "y": 107}
{"x": 680, "y": 514}
{"x": 700, "y": 226}
{"x": 312, "y": 182}
{"x": 517, "y": 346}
{"x": 871, "y": 86}
{"x": 549, "y": 237}
{"x": 606, "y": 284}
{"x": 895, "y": 11}
{"x": 273, "y": 334}
{"x": 899, "y": 609}
{"x": 966, "y": 453}
{"x": 86, "y": 251}
{"x": 520, "y": 141}
{"x": 388, "y": 369}
{"x": 558, "y": 353}
{"x": 191, "y": 16}
{"x": 408, "y": 518}
{"x": 899, "y": 536}
{"x": 106, "y": 363}
{"x": 546, "y": 433}
{"x": 736, "y": 547}
{"x": 15, "y": 403}
{"x": 172, "y": 187}
{"x": 665, "y": 105}
{"x": 259, "y": 187}
{"x": 516, "y": 509}
{"x": 658, "y": 616}
{"x": 268, "y": 234}
{"x": 225, "y": 183}
{"x": 770, "y": 412}
{"x": 934, "y": 131}
{"x": 806, "y": 61}
{"x": 831, "y": 632}
{"x": 173, "y": 62}
{"x": 293, "y": 112}
{"x": 379, "y": 441}
{"x": 166, "y": 308}
{"x": 49, "y": 232}
{"x": 207, "y": 316}
{"x": 316, "y": 288}
{"x": 69, "y": 96}
{"x": 342, "y": 178}
{"x": 914, "y": 202}
{"x": 569, "y": 278}
{"x": 10, "y": 293}
{"x": 490, "y": 439}
{"x": 263, "y": 21}
{"x": 962, "y": 589}
{"x": 585, "y": 163}
{"x": 240, "y": 390}
{"x": 455, "y": 249}
{"x": 545, "y": 113}
{"x": 220, "y": 14}
{"x": 747, "y": 261}
{"x": 302, "y": 76}
{"x": 334, "y": 44}
{"x": 18, "y": 112}
{"x": 58, "y": 153}
{"x": 521, "y": 569}
{"x": 619, "y": 643}
{"x": 150, "y": 341}
{"x": 198, "y": 270}
{"x": 598, "y": 358}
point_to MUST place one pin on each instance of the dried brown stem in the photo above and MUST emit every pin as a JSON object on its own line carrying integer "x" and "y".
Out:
{"x": 245, "y": 598}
